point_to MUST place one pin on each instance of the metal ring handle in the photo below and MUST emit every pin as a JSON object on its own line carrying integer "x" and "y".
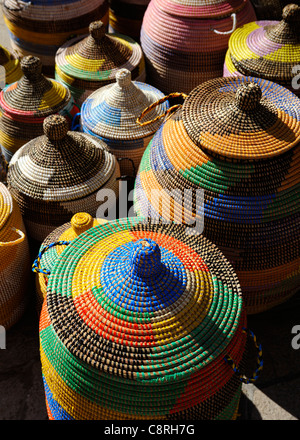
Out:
{"x": 259, "y": 361}
{"x": 37, "y": 261}
{"x": 119, "y": 159}
{"x": 233, "y": 16}
{"x": 14, "y": 242}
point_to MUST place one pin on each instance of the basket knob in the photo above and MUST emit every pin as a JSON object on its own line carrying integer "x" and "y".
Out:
{"x": 97, "y": 30}
{"x": 291, "y": 14}
{"x": 55, "y": 127}
{"x": 248, "y": 96}
{"x": 31, "y": 66}
{"x": 123, "y": 77}
{"x": 81, "y": 222}
{"x": 145, "y": 258}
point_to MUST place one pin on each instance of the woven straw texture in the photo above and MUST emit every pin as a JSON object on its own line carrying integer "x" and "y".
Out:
{"x": 126, "y": 17}
{"x": 14, "y": 261}
{"x": 3, "y": 168}
{"x": 238, "y": 140}
{"x": 26, "y": 103}
{"x": 79, "y": 223}
{"x": 40, "y": 27}
{"x": 269, "y": 9}
{"x": 137, "y": 324}
{"x": 56, "y": 175}
{"x": 111, "y": 112}
{"x": 267, "y": 49}
{"x": 184, "y": 42}
{"x": 87, "y": 63}
{"x": 12, "y": 66}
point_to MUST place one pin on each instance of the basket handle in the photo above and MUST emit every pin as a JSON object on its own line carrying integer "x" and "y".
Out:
{"x": 21, "y": 8}
{"x": 14, "y": 242}
{"x": 259, "y": 361}
{"x": 37, "y": 262}
{"x": 155, "y": 104}
{"x": 233, "y": 16}
{"x": 73, "y": 126}
{"x": 119, "y": 159}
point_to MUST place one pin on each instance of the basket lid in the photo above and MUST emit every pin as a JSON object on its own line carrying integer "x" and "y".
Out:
{"x": 268, "y": 49}
{"x": 97, "y": 56}
{"x": 61, "y": 164}
{"x": 163, "y": 304}
{"x": 242, "y": 117}
{"x": 201, "y": 8}
{"x": 11, "y": 64}
{"x": 34, "y": 95}
{"x": 112, "y": 110}
{"x": 6, "y": 205}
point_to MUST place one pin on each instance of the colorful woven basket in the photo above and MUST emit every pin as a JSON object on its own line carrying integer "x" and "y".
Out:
{"x": 237, "y": 139}
{"x": 14, "y": 261}
{"x": 11, "y": 65}
{"x": 268, "y": 49}
{"x": 85, "y": 64}
{"x": 110, "y": 113}
{"x": 269, "y": 9}
{"x": 80, "y": 222}
{"x": 56, "y": 175}
{"x": 126, "y": 17}
{"x": 185, "y": 41}
{"x": 26, "y": 103}
{"x": 142, "y": 321}
{"x": 40, "y": 27}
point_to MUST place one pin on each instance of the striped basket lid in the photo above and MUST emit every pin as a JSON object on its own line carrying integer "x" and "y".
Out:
{"x": 111, "y": 111}
{"x": 149, "y": 307}
{"x": 96, "y": 57}
{"x": 268, "y": 49}
{"x": 201, "y": 8}
{"x": 34, "y": 95}
{"x": 242, "y": 118}
{"x": 12, "y": 66}
{"x": 61, "y": 165}
{"x": 6, "y": 205}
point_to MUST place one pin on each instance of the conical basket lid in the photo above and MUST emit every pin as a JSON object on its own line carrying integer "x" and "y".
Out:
{"x": 242, "y": 118}
{"x": 201, "y": 8}
{"x": 111, "y": 111}
{"x": 98, "y": 56}
{"x": 60, "y": 165}
{"x": 268, "y": 49}
{"x": 34, "y": 94}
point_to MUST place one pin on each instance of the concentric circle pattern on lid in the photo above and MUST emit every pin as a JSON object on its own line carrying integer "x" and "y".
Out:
{"x": 146, "y": 311}
{"x": 268, "y": 49}
{"x": 235, "y": 118}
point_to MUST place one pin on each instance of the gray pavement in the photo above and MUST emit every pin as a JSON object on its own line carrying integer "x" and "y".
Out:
{"x": 275, "y": 396}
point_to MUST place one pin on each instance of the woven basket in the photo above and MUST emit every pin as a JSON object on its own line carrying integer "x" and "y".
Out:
{"x": 3, "y": 168}
{"x": 136, "y": 324}
{"x": 268, "y": 49}
{"x": 40, "y": 27}
{"x": 269, "y": 9}
{"x": 26, "y": 103}
{"x": 67, "y": 232}
{"x": 185, "y": 41}
{"x": 237, "y": 139}
{"x": 126, "y": 17}
{"x": 111, "y": 112}
{"x": 56, "y": 175}
{"x": 87, "y": 63}
{"x": 14, "y": 261}
{"x": 11, "y": 65}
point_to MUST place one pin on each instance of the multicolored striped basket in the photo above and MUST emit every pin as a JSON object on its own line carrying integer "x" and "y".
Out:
{"x": 80, "y": 222}
{"x": 143, "y": 321}
{"x": 56, "y": 175}
{"x": 185, "y": 41}
{"x": 14, "y": 261}
{"x": 126, "y": 17}
{"x": 111, "y": 112}
{"x": 228, "y": 161}
{"x": 11, "y": 64}
{"x": 269, "y": 9}
{"x": 85, "y": 64}
{"x": 26, "y": 103}
{"x": 267, "y": 49}
{"x": 40, "y": 27}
